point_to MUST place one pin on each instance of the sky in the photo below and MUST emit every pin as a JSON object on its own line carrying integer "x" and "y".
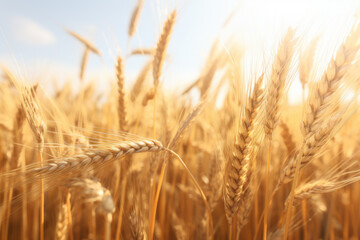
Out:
{"x": 32, "y": 34}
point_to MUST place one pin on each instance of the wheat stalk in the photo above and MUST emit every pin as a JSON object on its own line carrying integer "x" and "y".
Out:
{"x": 32, "y": 112}
{"x": 84, "y": 61}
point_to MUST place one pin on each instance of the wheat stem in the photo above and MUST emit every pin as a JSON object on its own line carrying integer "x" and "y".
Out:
{"x": 291, "y": 198}
{"x": 267, "y": 189}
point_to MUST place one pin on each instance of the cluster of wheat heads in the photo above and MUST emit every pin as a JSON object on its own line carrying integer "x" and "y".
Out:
{"x": 148, "y": 165}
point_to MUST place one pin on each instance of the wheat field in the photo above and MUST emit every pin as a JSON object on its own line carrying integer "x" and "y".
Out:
{"x": 143, "y": 163}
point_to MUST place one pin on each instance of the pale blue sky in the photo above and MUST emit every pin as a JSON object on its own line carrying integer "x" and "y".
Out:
{"x": 32, "y": 31}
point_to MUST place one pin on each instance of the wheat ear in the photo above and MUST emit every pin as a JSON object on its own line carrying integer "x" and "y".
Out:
{"x": 306, "y": 60}
{"x": 310, "y": 148}
{"x": 237, "y": 168}
{"x": 32, "y": 112}
{"x": 17, "y": 137}
{"x": 136, "y": 227}
{"x": 322, "y": 96}
{"x": 312, "y": 145}
{"x": 161, "y": 47}
{"x": 92, "y": 192}
{"x": 121, "y": 95}
{"x": 287, "y": 138}
{"x": 275, "y": 91}
{"x": 61, "y": 230}
{"x": 135, "y": 17}
{"x": 246, "y": 203}
{"x": 84, "y": 41}
{"x": 95, "y": 157}
{"x": 277, "y": 83}
{"x": 143, "y": 51}
{"x": 339, "y": 176}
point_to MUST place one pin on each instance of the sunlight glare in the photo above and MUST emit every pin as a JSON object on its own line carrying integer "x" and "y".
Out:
{"x": 260, "y": 24}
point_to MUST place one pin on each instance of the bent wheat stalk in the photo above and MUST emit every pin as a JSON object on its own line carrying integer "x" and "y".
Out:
{"x": 58, "y": 169}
